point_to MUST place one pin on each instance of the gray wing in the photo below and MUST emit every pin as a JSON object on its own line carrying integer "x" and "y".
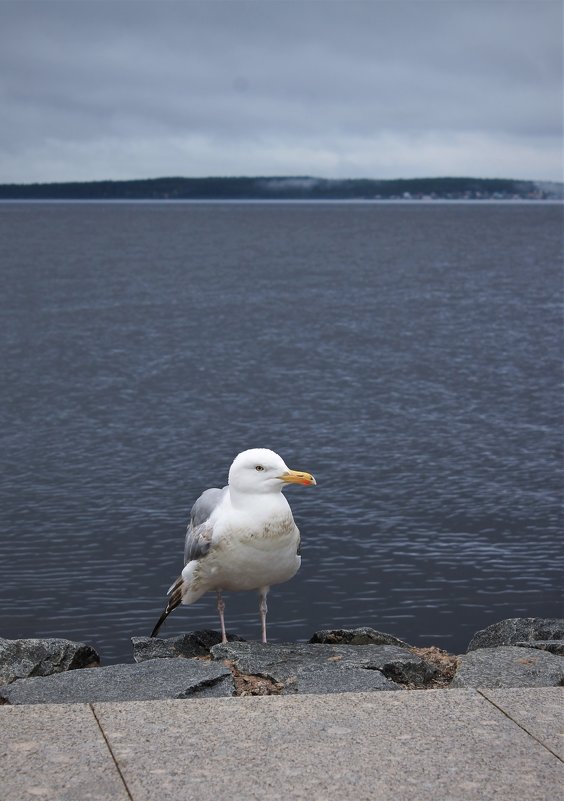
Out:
{"x": 198, "y": 534}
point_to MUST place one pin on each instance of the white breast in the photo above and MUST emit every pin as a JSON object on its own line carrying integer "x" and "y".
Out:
{"x": 249, "y": 559}
{"x": 246, "y": 559}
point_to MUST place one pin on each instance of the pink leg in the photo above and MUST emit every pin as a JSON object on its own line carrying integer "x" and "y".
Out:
{"x": 221, "y": 610}
{"x": 263, "y": 610}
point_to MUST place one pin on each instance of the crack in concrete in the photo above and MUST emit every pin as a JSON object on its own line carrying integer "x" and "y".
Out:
{"x": 109, "y": 747}
{"x": 521, "y": 726}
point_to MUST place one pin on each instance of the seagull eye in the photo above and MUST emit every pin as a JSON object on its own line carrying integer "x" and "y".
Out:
{"x": 259, "y": 467}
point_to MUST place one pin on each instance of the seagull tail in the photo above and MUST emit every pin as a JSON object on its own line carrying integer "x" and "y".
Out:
{"x": 174, "y": 600}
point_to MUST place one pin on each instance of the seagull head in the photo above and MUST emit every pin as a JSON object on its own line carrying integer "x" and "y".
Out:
{"x": 262, "y": 470}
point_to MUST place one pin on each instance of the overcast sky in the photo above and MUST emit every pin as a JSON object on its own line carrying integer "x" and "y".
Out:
{"x": 91, "y": 89}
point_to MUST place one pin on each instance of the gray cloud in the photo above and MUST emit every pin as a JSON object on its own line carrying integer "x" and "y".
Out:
{"x": 92, "y": 89}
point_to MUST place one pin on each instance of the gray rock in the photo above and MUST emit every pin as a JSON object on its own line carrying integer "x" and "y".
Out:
{"x": 518, "y": 629}
{"x": 333, "y": 680}
{"x": 328, "y": 668}
{"x": 21, "y": 659}
{"x": 552, "y": 646}
{"x": 195, "y": 643}
{"x": 509, "y": 666}
{"x": 361, "y": 636}
{"x": 155, "y": 679}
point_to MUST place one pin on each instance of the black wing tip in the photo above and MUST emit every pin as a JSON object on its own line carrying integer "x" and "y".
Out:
{"x": 160, "y": 622}
{"x": 175, "y": 600}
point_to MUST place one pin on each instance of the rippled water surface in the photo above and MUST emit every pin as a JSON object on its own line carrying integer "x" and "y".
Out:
{"x": 407, "y": 355}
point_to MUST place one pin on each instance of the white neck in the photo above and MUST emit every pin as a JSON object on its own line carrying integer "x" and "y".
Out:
{"x": 260, "y": 502}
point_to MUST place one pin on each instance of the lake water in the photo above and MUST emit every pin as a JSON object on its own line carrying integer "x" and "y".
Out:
{"x": 408, "y": 355}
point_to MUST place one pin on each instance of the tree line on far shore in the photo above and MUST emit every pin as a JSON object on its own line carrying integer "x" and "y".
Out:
{"x": 283, "y": 188}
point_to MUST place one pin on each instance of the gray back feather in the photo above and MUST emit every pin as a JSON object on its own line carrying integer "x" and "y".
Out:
{"x": 205, "y": 505}
{"x": 198, "y": 535}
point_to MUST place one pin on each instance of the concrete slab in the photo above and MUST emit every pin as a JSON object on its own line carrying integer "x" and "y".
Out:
{"x": 539, "y": 712}
{"x": 452, "y": 745}
{"x": 55, "y": 753}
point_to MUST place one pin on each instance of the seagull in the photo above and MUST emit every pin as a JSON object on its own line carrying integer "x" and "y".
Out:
{"x": 241, "y": 537}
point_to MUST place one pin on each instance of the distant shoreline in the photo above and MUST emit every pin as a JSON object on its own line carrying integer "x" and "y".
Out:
{"x": 289, "y": 189}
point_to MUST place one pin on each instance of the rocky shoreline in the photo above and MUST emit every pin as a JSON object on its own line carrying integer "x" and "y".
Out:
{"x": 517, "y": 652}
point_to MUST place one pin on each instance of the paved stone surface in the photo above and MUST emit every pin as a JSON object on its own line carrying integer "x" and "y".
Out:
{"x": 438, "y": 745}
{"x": 518, "y": 629}
{"x": 509, "y": 666}
{"x": 55, "y": 753}
{"x": 328, "y": 668}
{"x": 157, "y": 678}
{"x": 451, "y": 745}
{"x": 42, "y": 657}
{"x": 538, "y": 711}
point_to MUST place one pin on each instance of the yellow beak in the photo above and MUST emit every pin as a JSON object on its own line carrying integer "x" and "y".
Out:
{"x": 297, "y": 477}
